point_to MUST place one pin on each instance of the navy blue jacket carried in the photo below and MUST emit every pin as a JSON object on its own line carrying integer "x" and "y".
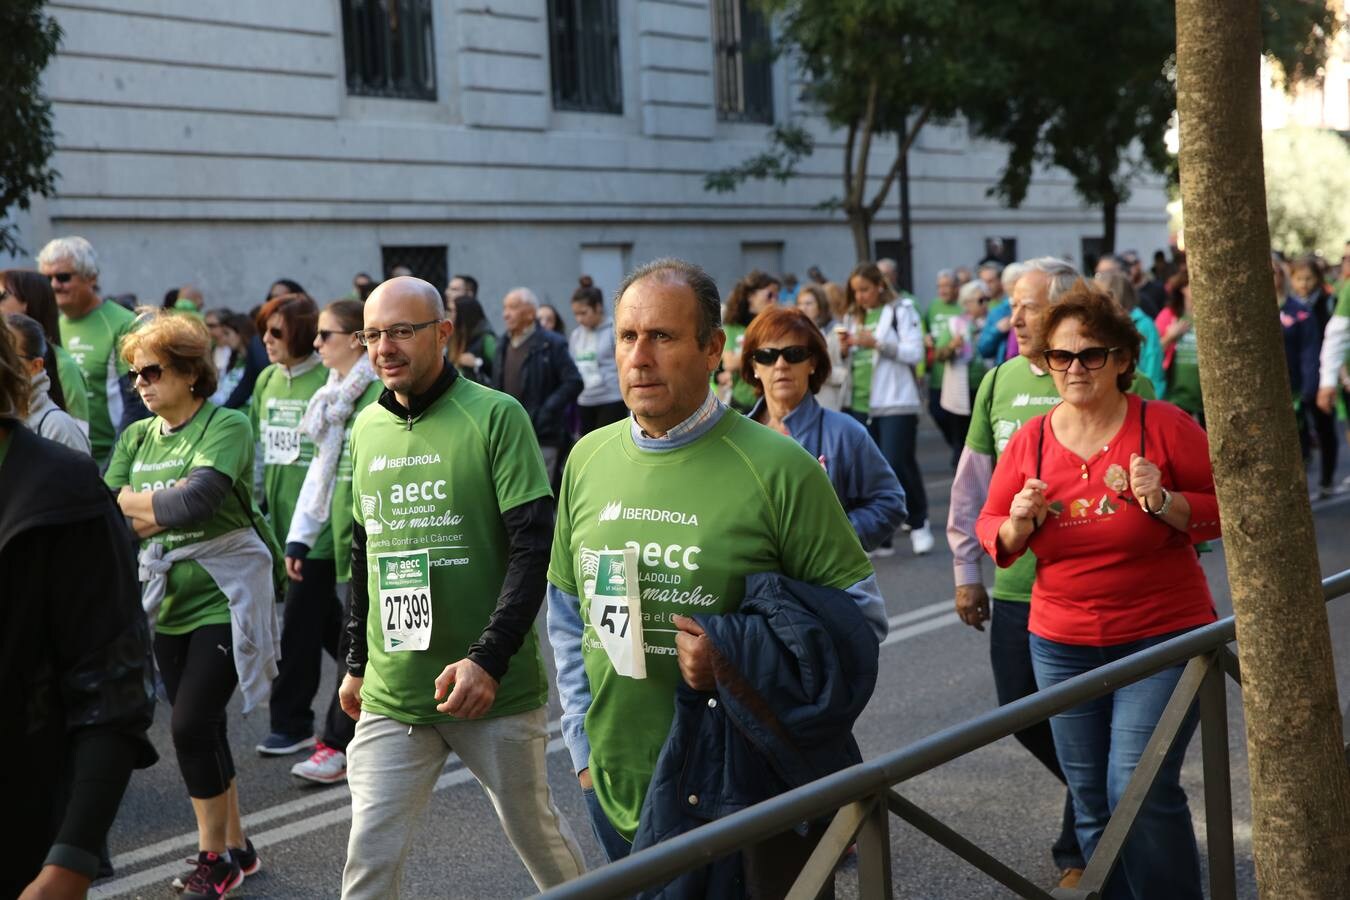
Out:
{"x": 863, "y": 481}
{"x": 549, "y": 382}
{"x": 1302, "y": 346}
{"x": 795, "y": 666}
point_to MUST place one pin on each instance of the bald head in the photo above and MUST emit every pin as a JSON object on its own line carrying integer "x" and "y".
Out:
{"x": 407, "y": 367}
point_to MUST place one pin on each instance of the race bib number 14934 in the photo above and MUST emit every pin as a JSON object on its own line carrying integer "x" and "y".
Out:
{"x": 404, "y": 581}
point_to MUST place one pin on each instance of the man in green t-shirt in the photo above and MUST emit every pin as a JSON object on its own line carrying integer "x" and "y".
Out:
{"x": 675, "y": 506}
{"x": 92, "y": 332}
{"x": 937, "y": 334}
{"x": 452, "y": 517}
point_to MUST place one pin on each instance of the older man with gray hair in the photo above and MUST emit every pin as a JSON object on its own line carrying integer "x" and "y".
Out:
{"x": 535, "y": 366}
{"x": 1010, "y": 395}
{"x": 92, "y": 331}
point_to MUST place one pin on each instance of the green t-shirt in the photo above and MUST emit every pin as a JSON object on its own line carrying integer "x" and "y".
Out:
{"x": 1183, "y": 379}
{"x": 860, "y": 358}
{"x": 739, "y": 500}
{"x": 1009, "y": 396}
{"x": 341, "y": 509}
{"x": 149, "y": 460}
{"x": 73, "y": 385}
{"x": 937, "y": 325}
{"x": 742, "y": 394}
{"x": 431, "y": 500}
{"x": 95, "y": 343}
{"x": 279, "y": 402}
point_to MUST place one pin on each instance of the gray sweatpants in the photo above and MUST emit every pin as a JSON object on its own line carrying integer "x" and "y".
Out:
{"x": 391, "y": 774}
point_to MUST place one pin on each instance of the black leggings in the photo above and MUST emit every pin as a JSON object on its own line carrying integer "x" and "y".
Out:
{"x": 1328, "y": 442}
{"x": 311, "y": 626}
{"x": 199, "y": 676}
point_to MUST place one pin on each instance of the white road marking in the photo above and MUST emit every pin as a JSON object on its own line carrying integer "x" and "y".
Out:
{"x": 184, "y": 843}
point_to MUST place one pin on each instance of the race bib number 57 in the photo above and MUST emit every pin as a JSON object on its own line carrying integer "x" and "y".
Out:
{"x": 405, "y": 600}
{"x": 616, "y": 610}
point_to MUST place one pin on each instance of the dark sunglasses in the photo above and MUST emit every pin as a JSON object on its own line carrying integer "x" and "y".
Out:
{"x": 276, "y": 333}
{"x": 1092, "y": 358}
{"x": 62, "y": 277}
{"x": 324, "y": 334}
{"x": 767, "y": 356}
{"x": 4, "y": 295}
{"x": 151, "y": 373}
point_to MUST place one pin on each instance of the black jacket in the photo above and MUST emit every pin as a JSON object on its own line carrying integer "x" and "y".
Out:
{"x": 74, "y": 658}
{"x": 795, "y": 666}
{"x": 549, "y": 382}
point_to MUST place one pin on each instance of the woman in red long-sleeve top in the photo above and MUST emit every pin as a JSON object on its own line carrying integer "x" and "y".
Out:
{"x": 1111, "y": 493}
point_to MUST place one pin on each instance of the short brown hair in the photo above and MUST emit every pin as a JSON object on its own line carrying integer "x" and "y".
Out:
{"x": 1099, "y": 317}
{"x": 181, "y": 341}
{"x": 778, "y": 323}
{"x": 301, "y": 315}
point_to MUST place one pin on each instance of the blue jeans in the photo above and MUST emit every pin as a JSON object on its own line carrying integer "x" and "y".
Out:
{"x": 1099, "y": 744}
{"x": 614, "y": 845}
{"x": 896, "y": 437}
{"x": 1010, "y": 658}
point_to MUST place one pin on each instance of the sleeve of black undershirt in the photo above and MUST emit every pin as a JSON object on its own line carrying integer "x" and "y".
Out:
{"x": 194, "y": 499}
{"x": 358, "y": 604}
{"x": 529, "y": 533}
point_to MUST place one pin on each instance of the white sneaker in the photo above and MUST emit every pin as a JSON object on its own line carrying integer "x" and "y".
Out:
{"x": 325, "y": 766}
{"x": 921, "y": 539}
{"x": 881, "y": 552}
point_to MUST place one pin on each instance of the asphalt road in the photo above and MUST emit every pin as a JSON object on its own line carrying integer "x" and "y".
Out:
{"x": 934, "y": 674}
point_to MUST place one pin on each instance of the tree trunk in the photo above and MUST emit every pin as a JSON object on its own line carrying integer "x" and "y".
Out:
{"x": 1110, "y": 209}
{"x": 860, "y": 225}
{"x": 1300, "y": 784}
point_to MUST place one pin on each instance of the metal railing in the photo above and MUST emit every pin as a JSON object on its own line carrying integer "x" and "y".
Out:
{"x": 862, "y": 798}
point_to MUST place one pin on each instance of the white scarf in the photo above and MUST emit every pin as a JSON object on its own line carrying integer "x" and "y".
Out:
{"x": 325, "y": 423}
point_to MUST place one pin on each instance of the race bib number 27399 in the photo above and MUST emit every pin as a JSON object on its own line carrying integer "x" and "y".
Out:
{"x": 404, "y": 581}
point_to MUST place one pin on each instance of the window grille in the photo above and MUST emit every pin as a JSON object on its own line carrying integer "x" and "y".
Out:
{"x": 388, "y": 48}
{"x": 584, "y": 50}
{"x": 743, "y": 62}
{"x": 429, "y": 263}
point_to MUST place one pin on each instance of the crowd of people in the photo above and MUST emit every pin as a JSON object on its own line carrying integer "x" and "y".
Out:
{"x": 386, "y": 480}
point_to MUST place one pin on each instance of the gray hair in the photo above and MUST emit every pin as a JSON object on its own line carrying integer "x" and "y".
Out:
{"x": 676, "y": 271}
{"x": 1012, "y": 273}
{"x": 970, "y": 289}
{"x": 945, "y": 273}
{"x": 74, "y": 248}
{"x": 526, "y": 296}
{"x": 1118, "y": 285}
{"x": 992, "y": 265}
{"x": 1061, "y": 273}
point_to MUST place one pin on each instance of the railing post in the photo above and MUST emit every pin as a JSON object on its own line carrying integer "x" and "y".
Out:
{"x": 1218, "y": 782}
{"x": 874, "y": 852}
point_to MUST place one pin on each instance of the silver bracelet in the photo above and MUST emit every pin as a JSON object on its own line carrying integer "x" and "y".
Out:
{"x": 1162, "y": 510}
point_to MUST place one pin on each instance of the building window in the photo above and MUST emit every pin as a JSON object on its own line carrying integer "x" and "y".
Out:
{"x": 584, "y": 46}
{"x": 743, "y": 62}
{"x": 388, "y": 48}
{"x": 430, "y": 263}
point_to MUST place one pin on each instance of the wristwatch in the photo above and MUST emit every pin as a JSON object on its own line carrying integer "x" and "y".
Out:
{"x": 1166, "y": 505}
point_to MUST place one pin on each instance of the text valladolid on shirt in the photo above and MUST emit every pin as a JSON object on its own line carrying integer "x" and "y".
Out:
{"x": 1009, "y": 396}
{"x": 438, "y": 489}
{"x": 94, "y": 342}
{"x": 279, "y": 402}
{"x": 340, "y": 520}
{"x": 739, "y": 500}
{"x": 148, "y": 460}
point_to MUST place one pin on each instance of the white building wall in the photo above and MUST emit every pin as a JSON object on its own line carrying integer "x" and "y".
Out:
{"x": 216, "y": 143}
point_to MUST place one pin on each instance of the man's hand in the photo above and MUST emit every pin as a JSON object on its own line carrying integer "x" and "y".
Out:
{"x": 1326, "y": 399}
{"x": 695, "y": 654}
{"x": 293, "y": 568}
{"x": 56, "y": 883}
{"x": 349, "y": 695}
{"x": 474, "y": 690}
{"x": 972, "y": 605}
{"x": 584, "y": 778}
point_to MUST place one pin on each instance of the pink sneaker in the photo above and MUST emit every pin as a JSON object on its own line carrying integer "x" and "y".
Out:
{"x": 325, "y": 765}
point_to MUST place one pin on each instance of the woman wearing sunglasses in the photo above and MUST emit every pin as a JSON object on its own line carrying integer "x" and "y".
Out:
{"x": 184, "y": 480}
{"x": 1111, "y": 493}
{"x": 289, "y": 325}
{"x": 325, "y": 495}
{"x": 785, "y": 360}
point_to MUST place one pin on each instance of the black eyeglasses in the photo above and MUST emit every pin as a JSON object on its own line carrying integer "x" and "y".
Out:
{"x": 4, "y": 295}
{"x": 276, "y": 333}
{"x": 402, "y": 331}
{"x": 767, "y": 356}
{"x": 62, "y": 277}
{"x": 324, "y": 334}
{"x": 1091, "y": 358}
{"x": 150, "y": 374}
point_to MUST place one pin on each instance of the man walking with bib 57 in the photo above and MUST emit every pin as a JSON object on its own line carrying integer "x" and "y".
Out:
{"x": 450, "y": 542}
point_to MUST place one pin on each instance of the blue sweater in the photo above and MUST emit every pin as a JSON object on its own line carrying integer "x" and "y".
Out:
{"x": 1302, "y": 344}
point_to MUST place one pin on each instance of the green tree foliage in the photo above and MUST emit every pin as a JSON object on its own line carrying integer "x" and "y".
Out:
{"x": 1307, "y": 183}
{"x": 26, "y": 142}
